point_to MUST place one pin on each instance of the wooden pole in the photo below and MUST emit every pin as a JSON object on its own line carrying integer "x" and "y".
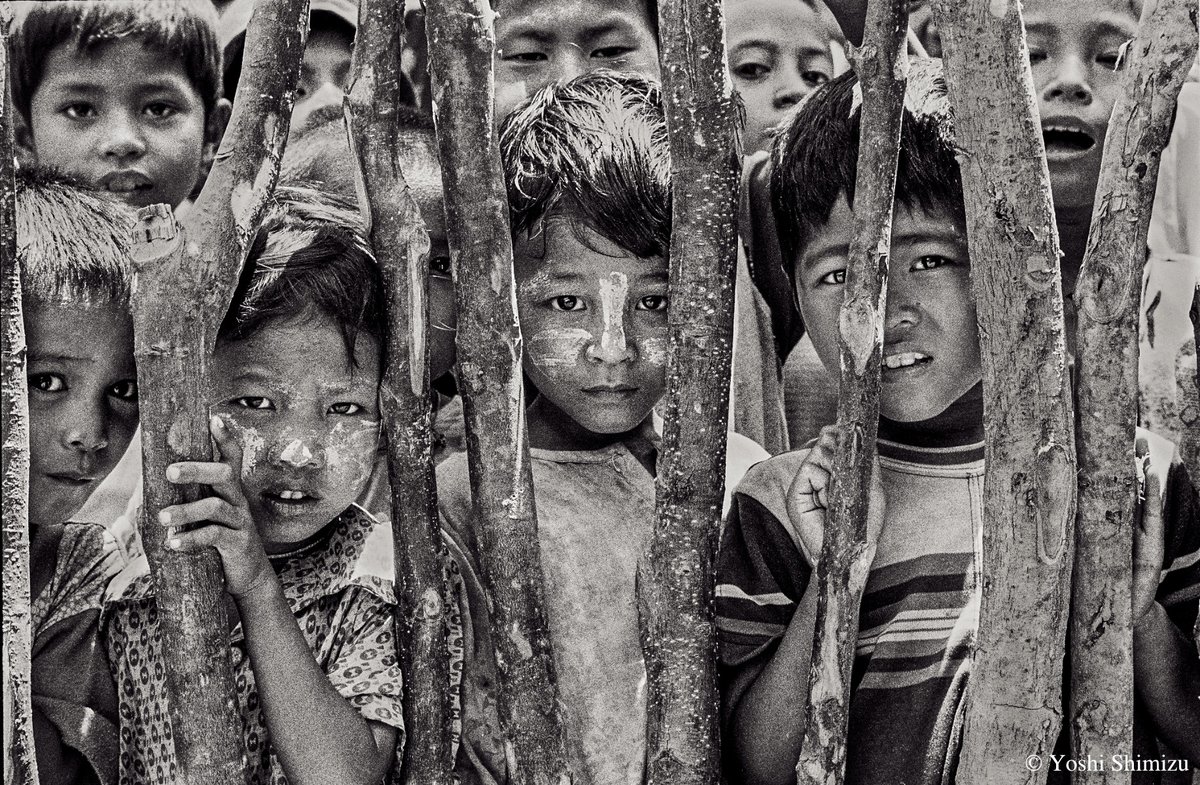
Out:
{"x": 20, "y": 763}
{"x": 848, "y": 549}
{"x": 676, "y": 577}
{"x": 1108, "y": 292}
{"x": 461, "y": 47}
{"x": 1014, "y": 703}
{"x": 401, "y": 246}
{"x": 185, "y": 280}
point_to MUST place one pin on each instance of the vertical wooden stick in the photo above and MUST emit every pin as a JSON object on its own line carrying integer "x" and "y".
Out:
{"x": 401, "y": 246}
{"x": 676, "y": 578}
{"x": 846, "y": 552}
{"x": 185, "y": 280}
{"x": 461, "y": 46}
{"x": 1107, "y": 356}
{"x": 1014, "y": 703}
{"x": 19, "y": 761}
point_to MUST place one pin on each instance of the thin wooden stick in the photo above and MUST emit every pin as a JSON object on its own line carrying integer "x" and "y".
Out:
{"x": 401, "y": 246}
{"x": 847, "y": 550}
{"x": 19, "y": 761}
{"x": 1107, "y": 363}
{"x": 676, "y": 577}
{"x": 461, "y": 47}
{"x": 1014, "y": 703}
{"x": 185, "y": 280}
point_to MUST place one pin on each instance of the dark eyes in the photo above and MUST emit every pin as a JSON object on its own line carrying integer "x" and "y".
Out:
{"x": 47, "y": 382}
{"x": 566, "y": 302}
{"x": 440, "y": 265}
{"x": 527, "y": 57}
{"x": 931, "y": 262}
{"x": 346, "y": 408}
{"x": 833, "y": 278}
{"x": 751, "y": 70}
{"x": 254, "y": 402}
{"x": 611, "y": 52}
{"x": 814, "y": 78}
{"x": 79, "y": 111}
{"x": 1037, "y": 56}
{"x": 126, "y": 390}
{"x": 159, "y": 110}
{"x": 653, "y": 302}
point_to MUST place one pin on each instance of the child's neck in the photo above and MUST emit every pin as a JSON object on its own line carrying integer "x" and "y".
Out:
{"x": 550, "y": 428}
{"x": 960, "y": 424}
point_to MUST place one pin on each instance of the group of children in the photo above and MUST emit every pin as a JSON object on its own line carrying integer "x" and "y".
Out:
{"x": 124, "y": 103}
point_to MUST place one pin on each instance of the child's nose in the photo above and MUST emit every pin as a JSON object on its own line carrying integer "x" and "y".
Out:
{"x": 1069, "y": 84}
{"x": 573, "y": 62}
{"x": 123, "y": 139}
{"x": 611, "y": 346}
{"x": 903, "y": 311}
{"x": 301, "y": 454}
{"x": 86, "y": 428}
{"x": 789, "y": 92}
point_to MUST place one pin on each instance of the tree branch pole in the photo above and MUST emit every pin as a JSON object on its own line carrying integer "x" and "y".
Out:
{"x": 1014, "y": 702}
{"x": 401, "y": 245}
{"x": 461, "y": 47}
{"x": 846, "y": 551}
{"x": 1110, "y": 284}
{"x": 185, "y": 278}
{"x": 20, "y": 763}
{"x": 676, "y": 576}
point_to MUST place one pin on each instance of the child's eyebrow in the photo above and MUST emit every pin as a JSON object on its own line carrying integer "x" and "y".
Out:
{"x": 64, "y": 358}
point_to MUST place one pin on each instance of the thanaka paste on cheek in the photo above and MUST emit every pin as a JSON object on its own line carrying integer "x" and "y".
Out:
{"x": 613, "y": 292}
{"x": 556, "y": 350}
{"x": 653, "y": 351}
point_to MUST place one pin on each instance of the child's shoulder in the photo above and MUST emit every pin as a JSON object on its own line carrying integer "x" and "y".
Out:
{"x": 83, "y": 557}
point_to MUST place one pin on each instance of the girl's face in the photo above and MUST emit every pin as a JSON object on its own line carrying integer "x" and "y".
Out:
{"x": 307, "y": 418}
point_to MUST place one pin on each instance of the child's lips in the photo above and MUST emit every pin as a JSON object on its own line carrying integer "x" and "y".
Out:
{"x": 73, "y": 479}
{"x": 614, "y": 392}
{"x": 290, "y": 500}
{"x": 897, "y": 365}
{"x": 125, "y": 182}
{"x": 1067, "y": 138}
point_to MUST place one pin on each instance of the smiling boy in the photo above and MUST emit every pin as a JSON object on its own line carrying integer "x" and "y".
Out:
{"x": 920, "y": 607}
{"x": 124, "y": 96}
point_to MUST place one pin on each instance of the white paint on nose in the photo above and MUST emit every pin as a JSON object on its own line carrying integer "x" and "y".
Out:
{"x": 296, "y": 453}
{"x": 613, "y": 292}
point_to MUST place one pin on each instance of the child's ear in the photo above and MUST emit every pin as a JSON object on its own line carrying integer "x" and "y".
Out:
{"x": 23, "y": 142}
{"x": 214, "y": 129}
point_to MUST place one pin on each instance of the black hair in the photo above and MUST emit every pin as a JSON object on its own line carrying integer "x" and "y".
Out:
{"x": 310, "y": 258}
{"x": 72, "y": 242}
{"x": 600, "y": 143}
{"x": 184, "y": 30}
{"x": 816, "y": 158}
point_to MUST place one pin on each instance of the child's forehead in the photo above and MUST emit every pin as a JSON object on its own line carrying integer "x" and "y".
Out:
{"x": 562, "y": 245}
{"x": 555, "y": 17}
{"x": 79, "y": 330}
{"x": 1049, "y": 13}
{"x": 139, "y": 62}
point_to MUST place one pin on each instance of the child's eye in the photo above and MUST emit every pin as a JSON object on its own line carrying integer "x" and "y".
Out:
{"x": 346, "y": 408}
{"x": 254, "y": 402}
{"x": 79, "y": 111}
{"x": 126, "y": 390}
{"x": 833, "y": 278}
{"x": 653, "y": 302}
{"x": 1111, "y": 60}
{"x": 159, "y": 110}
{"x": 47, "y": 382}
{"x": 751, "y": 71}
{"x": 611, "y": 52}
{"x": 567, "y": 302}
{"x": 931, "y": 262}
{"x": 814, "y": 78}
{"x": 1037, "y": 56}
{"x": 440, "y": 265}
{"x": 527, "y": 57}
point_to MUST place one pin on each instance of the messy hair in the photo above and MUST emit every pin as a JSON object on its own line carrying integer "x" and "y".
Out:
{"x": 816, "y": 158}
{"x": 599, "y": 142}
{"x": 184, "y": 30}
{"x": 72, "y": 243}
{"x": 310, "y": 258}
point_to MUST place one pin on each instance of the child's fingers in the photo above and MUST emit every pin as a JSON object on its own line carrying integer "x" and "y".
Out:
{"x": 230, "y": 449}
{"x": 212, "y": 509}
{"x": 199, "y": 473}
{"x": 194, "y": 540}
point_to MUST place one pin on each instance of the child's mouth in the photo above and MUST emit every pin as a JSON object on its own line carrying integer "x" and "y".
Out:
{"x": 904, "y": 361}
{"x": 617, "y": 392}
{"x": 1064, "y": 141}
{"x": 289, "y": 500}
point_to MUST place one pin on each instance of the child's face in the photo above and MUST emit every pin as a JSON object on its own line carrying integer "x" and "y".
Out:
{"x": 1073, "y": 55}
{"x": 307, "y": 421}
{"x": 124, "y": 118}
{"x": 539, "y": 42}
{"x": 83, "y": 403}
{"x": 778, "y": 53}
{"x": 930, "y": 337}
{"x": 324, "y": 73}
{"x": 594, "y": 320}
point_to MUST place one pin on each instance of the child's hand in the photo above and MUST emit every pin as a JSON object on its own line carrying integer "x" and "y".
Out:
{"x": 1147, "y": 534}
{"x": 808, "y": 496}
{"x": 226, "y": 515}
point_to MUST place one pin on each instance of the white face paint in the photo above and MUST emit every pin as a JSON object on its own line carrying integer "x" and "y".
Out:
{"x": 557, "y": 348}
{"x": 614, "y": 291}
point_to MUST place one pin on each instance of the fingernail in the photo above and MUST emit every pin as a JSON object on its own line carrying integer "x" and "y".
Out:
{"x": 164, "y": 518}
{"x": 172, "y": 473}
{"x": 218, "y": 423}
{"x": 173, "y": 543}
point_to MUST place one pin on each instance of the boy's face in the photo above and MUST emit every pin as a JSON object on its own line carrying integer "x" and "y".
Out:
{"x": 1073, "y": 55}
{"x": 930, "y": 337}
{"x": 539, "y": 42}
{"x": 307, "y": 421}
{"x": 324, "y": 73}
{"x": 594, "y": 318}
{"x": 83, "y": 402}
{"x": 778, "y": 53}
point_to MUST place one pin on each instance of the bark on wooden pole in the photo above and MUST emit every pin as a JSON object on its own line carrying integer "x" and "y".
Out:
{"x": 676, "y": 577}
{"x": 185, "y": 280}
{"x": 461, "y": 46}
{"x": 846, "y": 551}
{"x": 20, "y": 761}
{"x": 1107, "y": 294}
{"x": 401, "y": 246}
{"x": 1014, "y": 701}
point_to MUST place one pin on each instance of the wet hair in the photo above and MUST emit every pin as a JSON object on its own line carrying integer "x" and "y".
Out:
{"x": 596, "y": 145}
{"x": 184, "y": 30}
{"x": 72, "y": 242}
{"x": 309, "y": 259}
{"x": 816, "y": 158}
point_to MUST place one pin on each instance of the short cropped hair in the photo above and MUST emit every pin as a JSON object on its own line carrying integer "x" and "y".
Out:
{"x": 310, "y": 258}
{"x": 816, "y": 158}
{"x": 72, "y": 243}
{"x": 185, "y": 30}
{"x": 600, "y": 143}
